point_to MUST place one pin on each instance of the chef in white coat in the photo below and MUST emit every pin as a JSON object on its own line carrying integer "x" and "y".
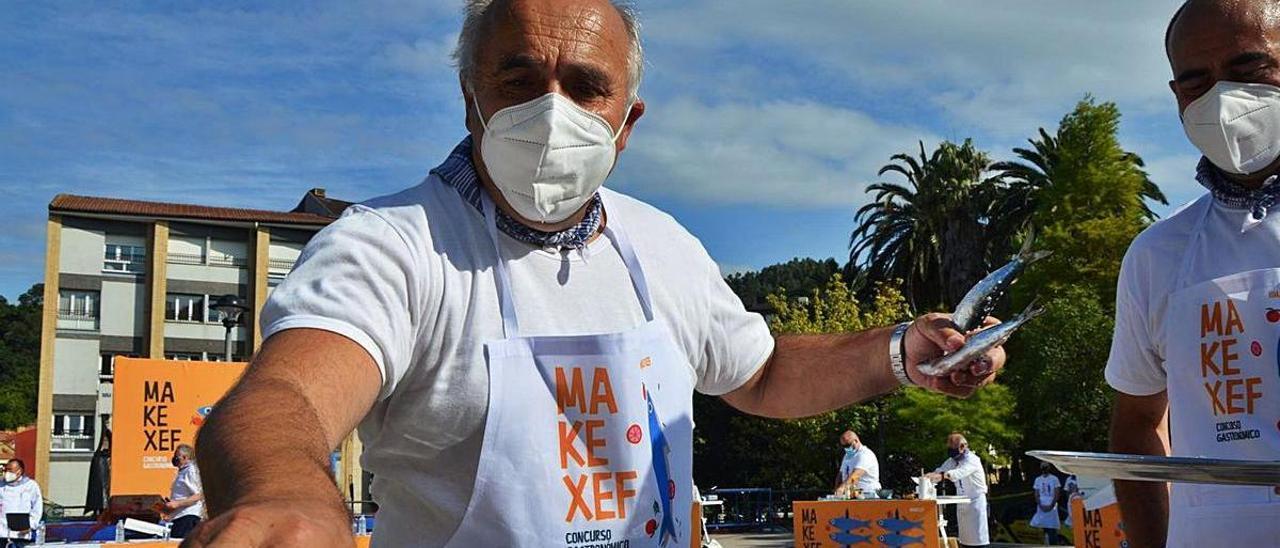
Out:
{"x": 1194, "y": 355}
{"x": 859, "y": 468}
{"x": 964, "y": 468}
{"x": 519, "y": 343}
{"x": 1046, "y": 490}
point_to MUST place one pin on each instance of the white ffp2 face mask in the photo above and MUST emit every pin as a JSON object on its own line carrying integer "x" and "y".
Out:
{"x": 547, "y": 156}
{"x": 11, "y": 477}
{"x": 1236, "y": 126}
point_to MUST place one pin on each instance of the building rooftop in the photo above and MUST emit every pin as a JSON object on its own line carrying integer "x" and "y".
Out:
{"x": 314, "y": 209}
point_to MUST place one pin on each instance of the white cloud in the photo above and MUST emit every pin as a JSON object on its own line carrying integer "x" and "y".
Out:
{"x": 1004, "y": 66}
{"x": 780, "y": 153}
{"x": 995, "y": 70}
{"x": 422, "y": 57}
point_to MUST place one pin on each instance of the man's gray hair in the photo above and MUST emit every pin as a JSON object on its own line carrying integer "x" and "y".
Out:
{"x": 185, "y": 450}
{"x": 475, "y": 12}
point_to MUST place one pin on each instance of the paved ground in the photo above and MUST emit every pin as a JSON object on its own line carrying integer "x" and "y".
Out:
{"x": 780, "y": 540}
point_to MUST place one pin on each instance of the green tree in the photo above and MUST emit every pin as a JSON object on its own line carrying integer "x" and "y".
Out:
{"x": 797, "y": 277}
{"x": 923, "y": 419}
{"x": 20, "y": 358}
{"x": 1085, "y": 195}
{"x": 1063, "y": 400}
{"x": 1086, "y": 198}
{"x": 930, "y": 232}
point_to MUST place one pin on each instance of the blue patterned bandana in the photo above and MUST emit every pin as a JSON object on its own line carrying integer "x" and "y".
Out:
{"x": 458, "y": 172}
{"x": 1232, "y": 194}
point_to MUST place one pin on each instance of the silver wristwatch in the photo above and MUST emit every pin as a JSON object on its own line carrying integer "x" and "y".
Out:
{"x": 898, "y": 354}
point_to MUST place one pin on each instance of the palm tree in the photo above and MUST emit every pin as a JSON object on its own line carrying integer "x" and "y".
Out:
{"x": 930, "y": 232}
{"x": 1086, "y": 136}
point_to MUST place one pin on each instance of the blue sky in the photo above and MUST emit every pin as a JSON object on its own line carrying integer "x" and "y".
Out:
{"x": 765, "y": 121}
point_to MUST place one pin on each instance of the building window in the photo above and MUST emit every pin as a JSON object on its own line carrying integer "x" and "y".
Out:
{"x": 184, "y": 356}
{"x": 124, "y": 258}
{"x": 77, "y": 310}
{"x": 179, "y": 307}
{"x": 73, "y": 432}
{"x": 227, "y": 253}
{"x": 107, "y": 365}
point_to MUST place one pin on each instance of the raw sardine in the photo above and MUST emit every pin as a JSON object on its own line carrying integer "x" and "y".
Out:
{"x": 979, "y": 343}
{"x": 982, "y": 298}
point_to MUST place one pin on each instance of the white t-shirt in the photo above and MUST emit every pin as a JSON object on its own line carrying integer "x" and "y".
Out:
{"x": 1147, "y": 274}
{"x": 1072, "y": 485}
{"x": 865, "y": 459}
{"x": 409, "y": 278}
{"x": 20, "y": 497}
{"x": 968, "y": 475}
{"x": 1044, "y": 486}
{"x": 186, "y": 484}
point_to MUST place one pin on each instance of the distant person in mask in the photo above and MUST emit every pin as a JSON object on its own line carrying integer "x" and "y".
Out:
{"x": 21, "y": 503}
{"x": 859, "y": 468}
{"x": 186, "y": 496}
{"x": 519, "y": 344}
{"x": 964, "y": 468}
{"x": 1193, "y": 357}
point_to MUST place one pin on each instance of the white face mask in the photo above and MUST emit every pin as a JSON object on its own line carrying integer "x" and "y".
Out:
{"x": 11, "y": 477}
{"x": 1236, "y": 126}
{"x": 547, "y": 156}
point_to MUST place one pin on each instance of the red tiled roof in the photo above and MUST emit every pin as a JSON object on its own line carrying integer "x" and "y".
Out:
{"x": 118, "y": 206}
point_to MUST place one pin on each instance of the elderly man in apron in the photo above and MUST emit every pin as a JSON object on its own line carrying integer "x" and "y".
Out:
{"x": 1197, "y": 339}
{"x": 964, "y": 468}
{"x": 519, "y": 345}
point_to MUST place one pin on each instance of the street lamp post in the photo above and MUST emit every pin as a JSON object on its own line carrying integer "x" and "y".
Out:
{"x": 232, "y": 309}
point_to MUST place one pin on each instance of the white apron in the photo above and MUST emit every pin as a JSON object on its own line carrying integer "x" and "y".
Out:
{"x": 1223, "y": 372}
{"x": 971, "y": 522}
{"x": 1045, "y": 519}
{"x": 588, "y": 440}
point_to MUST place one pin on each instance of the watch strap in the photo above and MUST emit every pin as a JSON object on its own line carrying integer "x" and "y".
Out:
{"x": 898, "y": 354}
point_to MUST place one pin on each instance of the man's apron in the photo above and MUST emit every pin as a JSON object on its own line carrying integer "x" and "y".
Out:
{"x": 1223, "y": 373}
{"x": 971, "y": 518}
{"x": 1045, "y": 519}
{"x": 971, "y": 522}
{"x": 588, "y": 440}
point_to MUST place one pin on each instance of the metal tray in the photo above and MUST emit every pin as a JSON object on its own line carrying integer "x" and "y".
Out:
{"x": 1171, "y": 469}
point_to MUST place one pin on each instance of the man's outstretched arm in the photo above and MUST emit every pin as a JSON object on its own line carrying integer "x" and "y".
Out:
{"x": 1139, "y": 426}
{"x": 812, "y": 374}
{"x": 264, "y": 452}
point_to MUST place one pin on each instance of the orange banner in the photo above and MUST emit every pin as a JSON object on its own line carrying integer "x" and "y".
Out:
{"x": 157, "y": 405}
{"x": 1099, "y": 528}
{"x": 871, "y": 522}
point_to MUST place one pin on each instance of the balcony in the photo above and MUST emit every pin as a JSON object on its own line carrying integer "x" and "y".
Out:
{"x": 76, "y": 321}
{"x": 123, "y": 267}
{"x": 228, "y": 260}
{"x": 280, "y": 265}
{"x": 71, "y": 442}
{"x": 210, "y": 260}
{"x": 185, "y": 258}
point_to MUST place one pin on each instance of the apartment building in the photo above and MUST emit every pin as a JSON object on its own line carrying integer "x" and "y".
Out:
{"x": 135, "y": 278}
